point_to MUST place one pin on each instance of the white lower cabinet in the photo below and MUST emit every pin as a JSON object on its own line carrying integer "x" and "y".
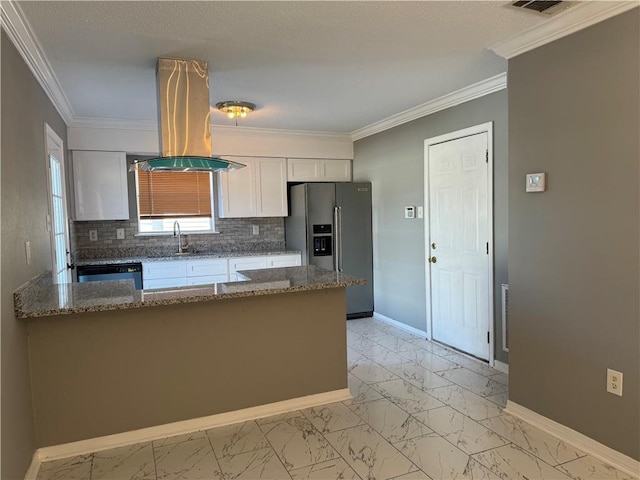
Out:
{"x": 207, "y": 279}
{"x": 276, "y": 261}
{"x": 153, "y": 272}
{"x": 245, "y": 263}
{"x": 164, "y": 283}
{"x": 181, "y": 273}
{"x": 207, "y": 271}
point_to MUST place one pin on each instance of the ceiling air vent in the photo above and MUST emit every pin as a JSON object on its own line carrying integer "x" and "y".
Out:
{"x": 546, "y": 7}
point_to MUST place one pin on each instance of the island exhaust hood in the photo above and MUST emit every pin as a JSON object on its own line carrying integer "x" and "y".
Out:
{"x": 183, "y": 107}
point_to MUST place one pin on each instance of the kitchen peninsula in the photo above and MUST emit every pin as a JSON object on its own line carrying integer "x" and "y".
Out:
{"x": 106, "y": 358}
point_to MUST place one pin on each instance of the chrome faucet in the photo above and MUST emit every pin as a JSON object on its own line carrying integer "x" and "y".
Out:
{"x": 176, "y": 227}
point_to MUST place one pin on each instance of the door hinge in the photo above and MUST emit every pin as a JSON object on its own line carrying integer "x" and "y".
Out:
{"x": 487, "y": 156}
{"x": 487, "y": 248}
{"x": 488, "y": 341}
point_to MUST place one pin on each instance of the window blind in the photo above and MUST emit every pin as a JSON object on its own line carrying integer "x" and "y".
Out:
{"x": 174, "y": 194}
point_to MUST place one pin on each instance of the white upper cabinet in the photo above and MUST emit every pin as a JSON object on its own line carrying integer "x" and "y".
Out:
{"x": 258, "y": 190}
{"x": 237, "y": 191}
{"x": 271, "y": 187}
{"x": 335, "y": 170}
{"x": 318, "y": 170}
{"x": 100, "y": 185}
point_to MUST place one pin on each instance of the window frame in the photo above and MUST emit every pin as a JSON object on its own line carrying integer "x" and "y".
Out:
{"x": 168, "y": 222}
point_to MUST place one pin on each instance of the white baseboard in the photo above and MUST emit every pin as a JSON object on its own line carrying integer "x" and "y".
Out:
{"x": 186, "y": 426}
{"x": 503, "y": 367}
{"x": 588, "y": 445}
{"x": 34, "y": 467}
{"x": 403, "y": 326}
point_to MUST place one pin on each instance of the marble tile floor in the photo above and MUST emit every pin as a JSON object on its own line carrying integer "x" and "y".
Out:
{"x": 420, "y": 411}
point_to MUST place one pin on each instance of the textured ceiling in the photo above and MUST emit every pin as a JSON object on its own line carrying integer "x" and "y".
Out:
{"x": 319, "y": 66}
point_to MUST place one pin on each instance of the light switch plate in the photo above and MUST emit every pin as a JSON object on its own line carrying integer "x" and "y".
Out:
{"x": 120, "y": 233}
{"x": 536, "y": 182}
{"x": 420, "y": 212}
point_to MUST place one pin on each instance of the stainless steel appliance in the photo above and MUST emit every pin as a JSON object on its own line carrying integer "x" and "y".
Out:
{"x": 330, "y": 223}
{"x": 120, "y": 271}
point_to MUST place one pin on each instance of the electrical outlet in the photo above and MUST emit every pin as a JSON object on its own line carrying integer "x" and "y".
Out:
{"x": 255, "y": 229}
{"x": 614, "y": 382}
{"x": 120, "y": 233}
{"x": 93, "y": 235}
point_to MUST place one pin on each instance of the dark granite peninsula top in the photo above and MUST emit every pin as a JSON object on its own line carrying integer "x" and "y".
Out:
{"x": 42, "y": 298}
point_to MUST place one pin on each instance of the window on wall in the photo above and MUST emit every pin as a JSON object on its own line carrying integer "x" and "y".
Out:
{"x": 166, "y": 197}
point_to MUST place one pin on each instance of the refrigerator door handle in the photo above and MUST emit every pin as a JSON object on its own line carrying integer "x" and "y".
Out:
{"x": 340, "y": 266}
{"x": 336, "y": 248}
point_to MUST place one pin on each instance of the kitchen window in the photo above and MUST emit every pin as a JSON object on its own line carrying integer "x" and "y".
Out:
{"x": 166, "y": 197}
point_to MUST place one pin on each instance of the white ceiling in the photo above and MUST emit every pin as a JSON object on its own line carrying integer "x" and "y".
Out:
{"x": 333, "y": 66}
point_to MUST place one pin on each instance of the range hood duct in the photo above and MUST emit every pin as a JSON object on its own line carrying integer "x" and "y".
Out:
{"x": 183, "y": 110}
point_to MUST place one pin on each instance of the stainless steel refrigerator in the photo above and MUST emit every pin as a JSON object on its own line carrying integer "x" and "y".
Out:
{"x": 330, "y": 223}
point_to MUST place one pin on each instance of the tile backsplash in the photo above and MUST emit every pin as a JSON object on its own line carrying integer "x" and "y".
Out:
{"x": 235, "y": 235}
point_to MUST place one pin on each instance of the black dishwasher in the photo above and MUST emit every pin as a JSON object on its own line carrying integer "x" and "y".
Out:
{"x": 119, "y": 271}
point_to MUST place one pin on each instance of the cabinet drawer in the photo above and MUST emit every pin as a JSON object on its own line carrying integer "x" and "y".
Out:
{"x": 276, "y": 261}
{"x": 247, "y": 263}
{"x": 207, "y": 279}
{"x": 199, "y": 268}
{"x": 164, "y": 283}
{"x": 169, "y": 269}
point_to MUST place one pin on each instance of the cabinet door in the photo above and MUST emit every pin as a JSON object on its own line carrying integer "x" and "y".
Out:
{"x": 335, "y": 170}
{"x": 247, "y": 263}
{"x": 207, "y": 279}
{"x": 100, "y": 185}
{"x": 206, "y": 267}
{"x": 303, "y": 170}
{"x": 271, "y": 187}
{"x": 237, "y": 191}
{"x": 276, "y": 261}
{"x": 164, "y": 283}
{"x": 168, "y": 269}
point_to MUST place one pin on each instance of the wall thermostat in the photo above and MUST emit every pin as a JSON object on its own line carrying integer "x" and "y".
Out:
{"x": 536, "y": 182}
{"x": 409, "y": 212}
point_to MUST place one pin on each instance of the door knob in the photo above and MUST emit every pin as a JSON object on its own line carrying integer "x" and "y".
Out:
{"x": 433, "y": 246}
{"x": 433, "y": 259}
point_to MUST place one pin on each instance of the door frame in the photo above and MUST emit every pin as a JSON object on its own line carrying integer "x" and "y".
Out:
{"x": 53, "y": 143}
{"x": 466, "y": 132}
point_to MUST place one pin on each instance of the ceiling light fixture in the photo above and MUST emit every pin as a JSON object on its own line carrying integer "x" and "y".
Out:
{"x": 236, "y": 108}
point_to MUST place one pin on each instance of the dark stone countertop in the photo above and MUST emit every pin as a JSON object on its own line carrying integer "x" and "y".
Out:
{"x": 42, "y": 298}
{"x": 187, "y": 256}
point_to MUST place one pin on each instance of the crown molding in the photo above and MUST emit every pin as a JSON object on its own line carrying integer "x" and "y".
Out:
{"x": 576, "y": 18}
{"x": 477, "y": 90}
{"x": 152, "y": 126}
{"x": 21, "y": 34}
{"x": 114, "y": 123}
{"x": 274, "y": 132}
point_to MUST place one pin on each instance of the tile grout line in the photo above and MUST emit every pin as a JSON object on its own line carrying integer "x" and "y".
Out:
{"x": 275, "y": 452}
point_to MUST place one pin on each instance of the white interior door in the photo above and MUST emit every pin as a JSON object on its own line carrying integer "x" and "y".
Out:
{"x": 58, "y": 224}
{"x": 459, "y": 234}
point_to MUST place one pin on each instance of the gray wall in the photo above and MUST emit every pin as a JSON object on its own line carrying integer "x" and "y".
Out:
{"x": 25, "y": 108}
{"x": 393, "y": 161}
{"x": 573, "y": 250}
